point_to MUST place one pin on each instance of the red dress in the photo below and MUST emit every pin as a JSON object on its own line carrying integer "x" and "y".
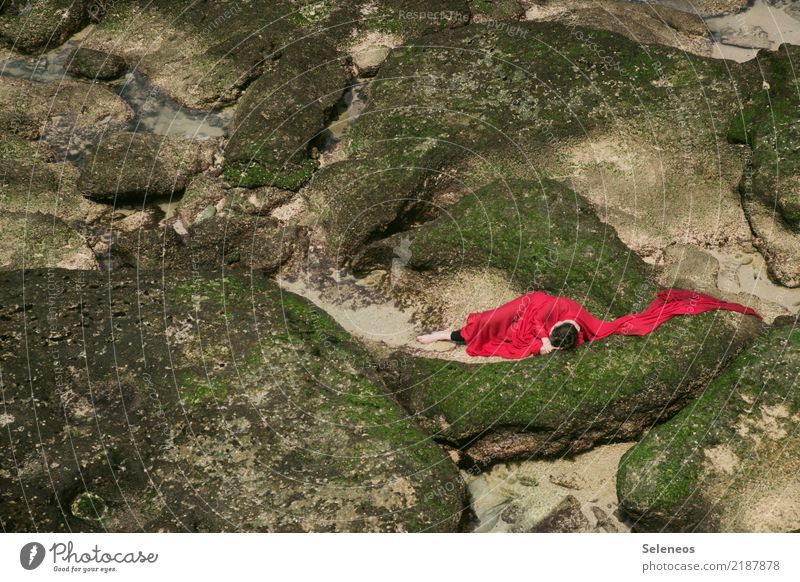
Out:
{"x": 514, "y": 330}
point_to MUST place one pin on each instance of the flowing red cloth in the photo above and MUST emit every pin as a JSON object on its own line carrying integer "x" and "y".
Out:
{"x": 515, "y": 330}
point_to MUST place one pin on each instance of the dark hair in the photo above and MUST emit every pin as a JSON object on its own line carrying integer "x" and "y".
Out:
{"x": 564, "y": 336}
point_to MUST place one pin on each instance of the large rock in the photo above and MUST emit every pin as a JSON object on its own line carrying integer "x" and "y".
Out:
{"x": 730, "y": 461}
{"x": 34, "y": 240}
{"x": 544, "y": 237}
{"x": 175, "y": 402}
{"x": 458, "y": 109}
{"x": 92, "y": 64}
{"x": 129, "y": 167}
{"x": 207, "y": 58}
{"x": 68, "y": 114}
{"x": 36, "y": 26}
{"x": 230, "y": 242}
{"x": 281, "y": 115}
{"x": 771, "y": 187}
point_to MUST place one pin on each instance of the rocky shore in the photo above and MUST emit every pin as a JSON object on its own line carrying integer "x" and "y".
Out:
{"x": 223, "y": 228}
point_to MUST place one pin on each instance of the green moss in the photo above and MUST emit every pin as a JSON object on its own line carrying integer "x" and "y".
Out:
{"x": 311, "y": 13}
{"x": 664, "y": 477}
{"x": 197, "y": 391}
{"x": 544, "y": 236}
{"x": 89, "y": 506}
{"x": 254, "y": 174}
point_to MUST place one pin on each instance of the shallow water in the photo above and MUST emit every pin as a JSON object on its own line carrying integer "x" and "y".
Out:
{"x": 746, "y": 272}
{"x": 762, "y": 25}
{"x": 154, "y": 111}
{"x": 352, "y": 105}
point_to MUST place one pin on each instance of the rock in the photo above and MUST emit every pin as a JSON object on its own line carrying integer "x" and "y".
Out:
{"x": 368, "y": 60}
{"x": 646, "y": 23}
{"x": 567, "y": 517}
{"x": 92, "y": 64}
{"x": 281, "y": 114}
{"x": 520, "y": 496}
{"x": 208, "y": 58}
{"x": 35, "y": 240}
{"x": 205, "y": 190}
{"x": 208, "y": 212}
{"x": 130, "y": 167}
{"x": 68, "y": 115}
{"x": 614, "y": 389}
{"x": 493, "y": 10}
{"x": 176, "y": 402}
{"x": 444, "y": 122}
{"x": 730, "y": 461}
{"x": 32, "y": 27}
{"x": 766, "y": 123}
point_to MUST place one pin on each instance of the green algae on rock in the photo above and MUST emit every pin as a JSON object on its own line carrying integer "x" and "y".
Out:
{"x": 728, "y": 461}
{"x": 565, "y": 402}
{"x": 770, "y": 190}
{"x": 281, "y": 114}
{"x": 128, "y": 167}
{"x": 36, "y": 26}
{"x": 92, "y": 64}
{"x": 177, "y": 402}
{"x": 452, "y": 111}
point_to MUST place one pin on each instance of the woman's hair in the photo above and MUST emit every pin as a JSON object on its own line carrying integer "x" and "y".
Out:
{"x": 564, "y": 336}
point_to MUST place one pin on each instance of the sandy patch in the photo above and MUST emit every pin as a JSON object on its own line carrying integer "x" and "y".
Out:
{"x": 516, "y": 496}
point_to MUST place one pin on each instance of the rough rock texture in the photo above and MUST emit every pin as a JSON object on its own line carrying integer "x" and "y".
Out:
{"x": 32, "y": 27}
{"x": 531, "y": 495}
{"x": 492, "y": 10}
{"x": 92, "y": 64}
{"x": 229, "y": 241}
{"x": 646, "y": 24}
{"x": 67, "y": 114}
{"x": 453, "y": 111}
{"x": 565, "y": 402}
{"x": 34, "y": 240}
{"x": 731, "y": 460}
{"x": 771, "y": 187}
{"x": 208, "y": 57}
{"x": 132, "y": 166}
{"x": 281, "y": 114}
{"x": 182, "y": 403}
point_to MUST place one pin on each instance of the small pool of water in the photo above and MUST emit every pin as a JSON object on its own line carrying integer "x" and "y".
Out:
{"x": 347, "y": 111}
{"x": 764, "y": 24}
{"x": 154, "y": 111}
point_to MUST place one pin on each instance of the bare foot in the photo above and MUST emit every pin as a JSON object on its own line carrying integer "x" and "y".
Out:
{"x": 429, "y": 338}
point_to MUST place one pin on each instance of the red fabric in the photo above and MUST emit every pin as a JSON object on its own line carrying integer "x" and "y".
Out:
{"x": 514, "y": 330}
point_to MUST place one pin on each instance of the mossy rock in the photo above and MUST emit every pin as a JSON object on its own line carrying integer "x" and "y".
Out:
{"x": 770, "y": 189}
{"x": 31, "y": 183}
{"x": 453, "y": 111}
{"x": 496, "y": 9}
{"x": 60, "y": 112}
{"x": 32, "y": 27}
{"x": 282, "y": 114}
{"x": 729, "y": 461}
{"x": 35, "y": 240}
{"x": 129, "y": 167}
{"x": 95, "y": 65}
{"x": 544, "y": 237}
{"x": 230, "y": 241}
{"x": 193, "y": 403}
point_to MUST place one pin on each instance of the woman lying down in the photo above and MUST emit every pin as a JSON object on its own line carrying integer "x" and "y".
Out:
{"x": 538, "y": 323}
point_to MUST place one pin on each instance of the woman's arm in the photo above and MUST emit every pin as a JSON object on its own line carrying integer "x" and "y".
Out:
{"x": 547, "y": 347}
